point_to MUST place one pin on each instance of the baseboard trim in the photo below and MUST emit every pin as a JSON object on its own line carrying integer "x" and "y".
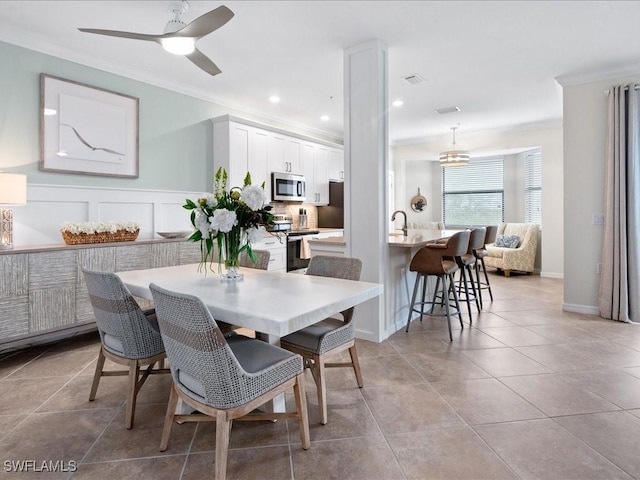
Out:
{"x": 588, "y": 309}
{"x": 552, "y": 275}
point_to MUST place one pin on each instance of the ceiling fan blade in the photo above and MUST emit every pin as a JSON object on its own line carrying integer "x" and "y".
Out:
{"x": 204, "y": 62}
{"x": 207, "y": 23}
{"x": 116, "y": 33}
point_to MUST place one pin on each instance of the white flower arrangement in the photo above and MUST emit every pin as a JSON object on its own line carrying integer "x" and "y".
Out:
{"x": 231, "y": 218}
{"x": 98, "y": 227}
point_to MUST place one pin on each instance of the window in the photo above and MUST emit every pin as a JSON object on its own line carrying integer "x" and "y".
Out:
{"x": 473, "y": 195}
{"x": 533, "y": 187}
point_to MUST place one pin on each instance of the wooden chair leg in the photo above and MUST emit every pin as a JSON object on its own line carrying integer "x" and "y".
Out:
{"x": 507, "y": 272}
{"x": 168, "y": 418}
{"x": 321, "y": 386}
{"x": 223, "y": 430}
{"x": 303, "y": 414}
{"x": 97, "y": 375}
{"x": 356, "y": 365}
{"x": 134, "y": 371}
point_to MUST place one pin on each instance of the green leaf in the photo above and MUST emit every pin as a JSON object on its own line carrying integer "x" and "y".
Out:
{"x": 247, "y": 179}
{"x": 189, "y": 205}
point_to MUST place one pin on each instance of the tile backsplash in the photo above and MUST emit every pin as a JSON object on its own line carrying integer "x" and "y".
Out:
{"x": 293, "y": 210}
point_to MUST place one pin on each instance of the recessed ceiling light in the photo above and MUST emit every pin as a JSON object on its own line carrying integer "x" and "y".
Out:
{"x": 324, "y": 118}
{"x": 445, "y": 110}
{"x": 274, "y": 99}
{"x": 398, "y": 103}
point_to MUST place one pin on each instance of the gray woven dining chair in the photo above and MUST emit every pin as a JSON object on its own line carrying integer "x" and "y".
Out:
{"x": 223, "y": 378}
{"x": 329, "y": 336}
{"x": 263, "y": 257}
{"x": 127, "y": 336}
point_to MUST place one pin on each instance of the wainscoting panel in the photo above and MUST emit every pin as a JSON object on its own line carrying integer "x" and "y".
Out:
{"x": 49, "y": 206}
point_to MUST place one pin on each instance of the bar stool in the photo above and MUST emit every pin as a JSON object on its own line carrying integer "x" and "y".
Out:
{"x": 438, "y": 260}
{"x": 465, "y": 262}
{"x": 480, "y": 253}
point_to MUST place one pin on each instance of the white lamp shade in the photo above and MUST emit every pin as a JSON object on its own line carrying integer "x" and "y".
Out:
{"x": 13, "y": 189}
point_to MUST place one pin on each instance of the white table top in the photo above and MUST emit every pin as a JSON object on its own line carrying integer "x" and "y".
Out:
{"x": 274, "y": 303}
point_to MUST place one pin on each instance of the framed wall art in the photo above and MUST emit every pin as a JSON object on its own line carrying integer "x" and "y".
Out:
{"x": 87, "y": 130}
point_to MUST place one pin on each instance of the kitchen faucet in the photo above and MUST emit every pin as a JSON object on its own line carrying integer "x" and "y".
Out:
{"x": 404, "y": 226}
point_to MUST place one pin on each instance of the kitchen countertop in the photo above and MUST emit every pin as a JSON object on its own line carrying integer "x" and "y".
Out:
{"x": 328, "y": 241}
{"x": 417, "y": 238}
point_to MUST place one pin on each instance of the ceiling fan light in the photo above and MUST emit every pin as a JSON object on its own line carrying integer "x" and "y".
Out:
{"x": 179, "y": 45}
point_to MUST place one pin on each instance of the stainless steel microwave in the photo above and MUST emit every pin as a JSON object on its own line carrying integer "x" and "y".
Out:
{"x": 286, "y": 187}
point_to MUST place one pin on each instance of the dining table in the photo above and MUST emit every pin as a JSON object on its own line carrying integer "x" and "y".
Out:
{"x": 273, "y": 304}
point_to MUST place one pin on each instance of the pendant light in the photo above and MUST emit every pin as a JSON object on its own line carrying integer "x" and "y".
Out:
{"x": 454, "y": 157}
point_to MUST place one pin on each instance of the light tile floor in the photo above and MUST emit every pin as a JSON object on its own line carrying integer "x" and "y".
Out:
{"x": 528, "y": 391}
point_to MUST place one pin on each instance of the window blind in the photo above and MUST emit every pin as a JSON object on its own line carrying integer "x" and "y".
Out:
{"x": 533, "y": 187}
{"x": 473, "y": 195}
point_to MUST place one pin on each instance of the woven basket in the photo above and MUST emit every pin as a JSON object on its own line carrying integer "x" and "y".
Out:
{"x": 101, "y": 237}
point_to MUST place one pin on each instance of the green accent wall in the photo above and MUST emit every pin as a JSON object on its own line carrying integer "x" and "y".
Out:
{"x": 175, "y": 134}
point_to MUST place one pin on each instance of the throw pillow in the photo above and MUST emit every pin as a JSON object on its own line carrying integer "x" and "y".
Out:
{"x": 508, "y": 241}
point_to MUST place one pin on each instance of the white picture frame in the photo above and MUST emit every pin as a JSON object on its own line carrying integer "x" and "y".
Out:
{"x": 87, "y": 130}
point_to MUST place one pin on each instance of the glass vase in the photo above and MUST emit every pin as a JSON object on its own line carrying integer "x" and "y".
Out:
{"x": 232, "y": 243}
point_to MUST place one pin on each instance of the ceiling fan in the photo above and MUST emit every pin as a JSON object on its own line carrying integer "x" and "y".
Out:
{"x": 180, "y": 38}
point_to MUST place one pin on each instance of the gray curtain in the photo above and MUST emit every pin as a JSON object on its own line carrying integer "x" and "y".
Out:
{"x": 619, "y": 295}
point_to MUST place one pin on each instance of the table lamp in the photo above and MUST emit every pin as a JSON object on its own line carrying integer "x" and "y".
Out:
{"x": 13, "y": 191}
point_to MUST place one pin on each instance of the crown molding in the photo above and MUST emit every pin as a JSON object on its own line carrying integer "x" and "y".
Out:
{"x": 581, "y": 78}
{"x": 552, "y": 123}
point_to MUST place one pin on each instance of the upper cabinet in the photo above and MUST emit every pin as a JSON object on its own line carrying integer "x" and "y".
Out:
{"x": 315, "y": 160}
{"x": 240, "y": 149}
{"x": 284, "y": 154}
{"x": 242, "y": 146}
{"x": 336, "y": 164}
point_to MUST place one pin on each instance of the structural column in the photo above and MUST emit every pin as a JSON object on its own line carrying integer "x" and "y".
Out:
{"x": 366, "y": 148}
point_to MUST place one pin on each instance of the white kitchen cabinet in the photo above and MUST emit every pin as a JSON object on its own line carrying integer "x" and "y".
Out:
{"x": 231, "y": 150}
{"x": 240, "y": 149}
{"x": 284, "y": 154}
{"x": 328, "y": 243}
{"x": 258, "y": 154}
{"x": 277, "y": 248}
{"x": 242, "y": 146}
{"x": 315, "y": 159}
{"x": 293, "y": 155}
{"x": 336, "y": 164}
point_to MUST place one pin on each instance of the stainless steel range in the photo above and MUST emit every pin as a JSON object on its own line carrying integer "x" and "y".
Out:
{"x": 297, "y": 255}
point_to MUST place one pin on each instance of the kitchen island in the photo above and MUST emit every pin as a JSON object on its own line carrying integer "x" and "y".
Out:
{"x": 399, "y": 280}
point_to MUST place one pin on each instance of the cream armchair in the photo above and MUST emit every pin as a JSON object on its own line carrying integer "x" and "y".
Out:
{"x": 522, "y": 258}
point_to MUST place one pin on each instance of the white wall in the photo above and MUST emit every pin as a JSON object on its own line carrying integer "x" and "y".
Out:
{"x": 410, "y": 160}
{"x": 585, "y": 131}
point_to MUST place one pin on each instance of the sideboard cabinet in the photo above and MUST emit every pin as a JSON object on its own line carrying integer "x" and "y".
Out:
{"x": 43, "y": 296}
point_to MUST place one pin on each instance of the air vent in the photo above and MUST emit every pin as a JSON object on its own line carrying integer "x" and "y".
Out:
{"x": 414, "y": 79}
{"x": 442, "y": 111}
